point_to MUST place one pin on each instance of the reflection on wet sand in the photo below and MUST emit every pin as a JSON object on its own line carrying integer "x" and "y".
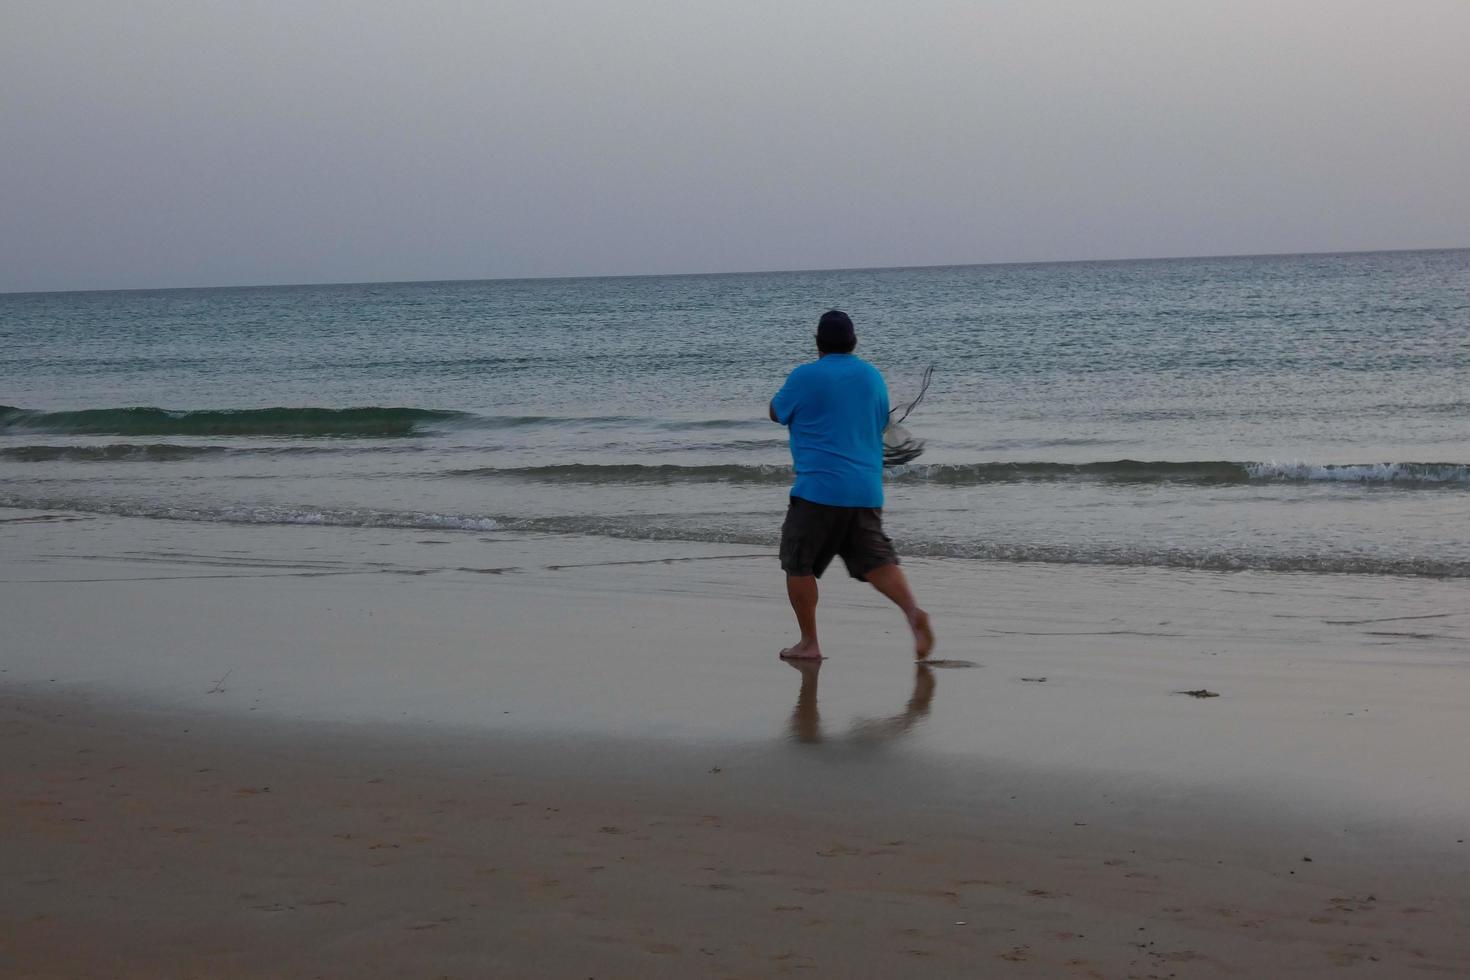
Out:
{"x": 806, "y": 719}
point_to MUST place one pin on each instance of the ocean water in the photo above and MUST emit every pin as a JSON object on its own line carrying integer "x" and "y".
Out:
{"x": 1306, "y": 414}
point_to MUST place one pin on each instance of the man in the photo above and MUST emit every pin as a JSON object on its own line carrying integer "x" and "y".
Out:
{"x": 836, "y": 408}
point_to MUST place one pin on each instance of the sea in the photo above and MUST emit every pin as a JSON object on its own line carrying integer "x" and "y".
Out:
{"x": 1304, "y": 414}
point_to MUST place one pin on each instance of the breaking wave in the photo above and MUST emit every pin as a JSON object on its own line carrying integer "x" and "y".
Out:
{"x": 1411, "y": 474}
{"x": 358, "y": 422}
{"x": 364, "y": 422}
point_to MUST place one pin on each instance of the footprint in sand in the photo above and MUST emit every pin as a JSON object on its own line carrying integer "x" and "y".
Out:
{"x": 420, "y": 926}
{"x": 1346, "y": 904}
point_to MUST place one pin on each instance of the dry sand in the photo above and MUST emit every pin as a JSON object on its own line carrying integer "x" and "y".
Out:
{"x": 311, "y": 752}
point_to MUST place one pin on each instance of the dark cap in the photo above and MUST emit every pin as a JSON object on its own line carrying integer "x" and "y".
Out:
{"x": 835, "y": 334}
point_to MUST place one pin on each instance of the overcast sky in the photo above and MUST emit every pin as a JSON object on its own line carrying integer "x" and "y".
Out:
{"x": 206, "y": 143}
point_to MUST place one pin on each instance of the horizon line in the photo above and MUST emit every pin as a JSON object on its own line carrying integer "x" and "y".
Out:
{"x": 737, "y": 272}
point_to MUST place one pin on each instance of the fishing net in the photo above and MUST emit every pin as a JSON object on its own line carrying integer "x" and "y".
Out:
{"x": 899, "y": 445}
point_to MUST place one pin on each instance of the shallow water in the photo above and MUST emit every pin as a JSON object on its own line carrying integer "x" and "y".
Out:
{"x": 1299, "y": 413}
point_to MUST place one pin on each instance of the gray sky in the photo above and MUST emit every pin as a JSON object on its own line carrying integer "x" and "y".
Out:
{"x": 201, "y": 143}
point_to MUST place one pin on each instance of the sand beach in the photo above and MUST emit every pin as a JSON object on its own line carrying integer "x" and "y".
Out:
{"x": 265, "y": 751}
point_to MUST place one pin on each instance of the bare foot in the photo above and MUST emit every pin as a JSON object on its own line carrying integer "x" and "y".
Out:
{"x": 805, "y": 650}
{"x": 923, "y": 634}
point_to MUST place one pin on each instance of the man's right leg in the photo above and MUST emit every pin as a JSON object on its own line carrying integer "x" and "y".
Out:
{"x": 802, "y": 591}
{"x": 806, "y": 548}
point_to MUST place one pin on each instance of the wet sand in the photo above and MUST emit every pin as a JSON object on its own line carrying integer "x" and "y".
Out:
{"x": 317, "y": 752}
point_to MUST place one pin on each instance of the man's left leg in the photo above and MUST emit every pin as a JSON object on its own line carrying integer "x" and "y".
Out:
{"x": 890, "y": 580}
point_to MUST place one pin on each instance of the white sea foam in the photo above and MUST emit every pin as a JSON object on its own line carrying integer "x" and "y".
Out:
{"x": 1411, "y": 473}
{"x": 261, "y": 514}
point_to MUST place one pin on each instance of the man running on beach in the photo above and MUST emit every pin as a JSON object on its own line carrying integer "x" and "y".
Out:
{"x": 837, "y": 408}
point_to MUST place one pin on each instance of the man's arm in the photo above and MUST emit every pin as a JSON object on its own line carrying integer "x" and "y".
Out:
{"x": 783, "y": 406}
